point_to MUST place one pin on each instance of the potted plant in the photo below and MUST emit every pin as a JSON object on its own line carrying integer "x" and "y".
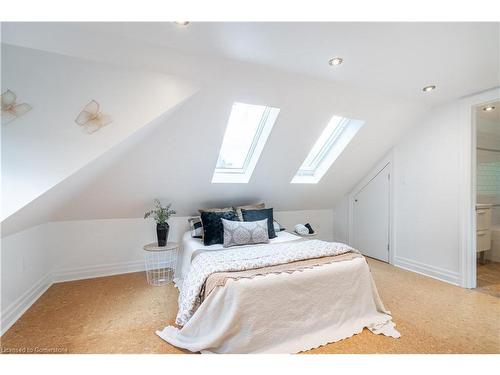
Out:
{"x": 161, "y": 215}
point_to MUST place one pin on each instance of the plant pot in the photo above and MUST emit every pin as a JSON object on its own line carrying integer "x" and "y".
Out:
{"x": 162, "y": 233}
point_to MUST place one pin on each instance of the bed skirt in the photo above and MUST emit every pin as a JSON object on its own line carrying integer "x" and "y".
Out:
{"x": 286, "y": 313}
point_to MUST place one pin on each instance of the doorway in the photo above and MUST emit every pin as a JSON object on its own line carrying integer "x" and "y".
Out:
{"x": 487, "y": 187}
{"x": 468, "y": 192}
{"x": 371, "y": 216}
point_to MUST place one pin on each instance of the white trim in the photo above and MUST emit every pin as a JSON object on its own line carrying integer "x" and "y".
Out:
{"x": 467, "y": 185}
{"x": 387, "y": 160}
{"x": 428, "y": 270}
{"x": 90, "y": 272}
{"x": 493, "y": 258}
{"x": 17, "y": 308}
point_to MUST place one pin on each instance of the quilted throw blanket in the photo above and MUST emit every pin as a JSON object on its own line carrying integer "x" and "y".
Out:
{"x": 246, "y": 258}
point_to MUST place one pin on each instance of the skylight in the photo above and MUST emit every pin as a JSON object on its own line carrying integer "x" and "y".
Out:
{"x": 334, "y": 139}
{"x": 246, "y": 134}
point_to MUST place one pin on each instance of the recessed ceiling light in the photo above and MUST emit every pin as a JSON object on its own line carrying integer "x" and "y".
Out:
{"x": 429, "y": 88}
{"x": 489, "y": 108}
{"x": 336, "y": 61}
{"x": 182, "y": 23}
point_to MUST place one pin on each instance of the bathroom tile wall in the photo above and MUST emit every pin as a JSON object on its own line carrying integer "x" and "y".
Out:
{"x": 488, "y": 178}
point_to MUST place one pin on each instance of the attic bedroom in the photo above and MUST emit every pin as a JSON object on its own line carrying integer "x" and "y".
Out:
{"x": 250, "y": 187}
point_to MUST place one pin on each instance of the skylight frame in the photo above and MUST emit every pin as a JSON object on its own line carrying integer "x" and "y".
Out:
{"x": 332, "y": 142}
{"x": 260, "y": 136}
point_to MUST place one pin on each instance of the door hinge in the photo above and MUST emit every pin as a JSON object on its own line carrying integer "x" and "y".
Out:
{"x": 389, "y": 176}
{"x": 387, "y": 247}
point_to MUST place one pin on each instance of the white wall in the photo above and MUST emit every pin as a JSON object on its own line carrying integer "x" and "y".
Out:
{"x": 26, "y": 267}
{"x": 69, "y": 250}
{"x": 79, "y": 247}
{"x": 341, "y": 220}
{"x": 321, "y": 221}
{"x": 45, "y": 146}
{"x": 425, "y": 197}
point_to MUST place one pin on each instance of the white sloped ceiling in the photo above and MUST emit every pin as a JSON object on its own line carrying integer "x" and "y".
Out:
{"x": 170, "y": 151}
{"x": 174, "y": 158}
{"x": 45, "y": 146}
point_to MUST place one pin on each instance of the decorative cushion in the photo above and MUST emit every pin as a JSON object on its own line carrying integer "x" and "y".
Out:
{"x": 244, "y": 233}
{"x": 301, "y": 229}
{"x": 213, "y": 231}
{"x": 215, "y": 209}
{"x": 309, "y": 228}
{"x": 196, "y": 227}
{"x": 238, "y": 209}
{"x": 255, "y": 215}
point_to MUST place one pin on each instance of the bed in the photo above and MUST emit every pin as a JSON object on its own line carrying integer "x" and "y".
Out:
{"x": 287, "y": 296}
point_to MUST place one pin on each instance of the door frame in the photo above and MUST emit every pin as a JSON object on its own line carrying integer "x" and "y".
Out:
{"x": 387, "y": 160}
{"x": 467, "y": 184}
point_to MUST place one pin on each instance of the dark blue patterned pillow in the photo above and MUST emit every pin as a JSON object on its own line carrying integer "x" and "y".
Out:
{"x": 213, "y": 230}
{"x": 256, "y": 215}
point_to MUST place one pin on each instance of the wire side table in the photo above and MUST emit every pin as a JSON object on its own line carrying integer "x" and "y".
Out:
{"x": 161, "y": 262}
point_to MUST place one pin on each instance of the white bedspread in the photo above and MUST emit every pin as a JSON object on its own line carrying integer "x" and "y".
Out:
{"x": 245, "y": 258}
{"x": 286, "y": 313}
{"x": 191, "y": 245}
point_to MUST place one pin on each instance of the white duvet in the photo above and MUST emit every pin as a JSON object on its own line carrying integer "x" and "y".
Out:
{"x": 286, "y": 312}
{"x": 190, "y": 246}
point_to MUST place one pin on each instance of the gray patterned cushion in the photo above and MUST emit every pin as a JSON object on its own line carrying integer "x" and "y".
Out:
{"x": 196, "y": 227}
{"x": 245, "y": 232}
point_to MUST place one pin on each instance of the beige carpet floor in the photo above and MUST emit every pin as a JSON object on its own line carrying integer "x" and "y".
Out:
{"x": 119, "y": 314}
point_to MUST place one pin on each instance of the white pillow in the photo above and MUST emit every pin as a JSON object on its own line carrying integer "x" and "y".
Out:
{"x": 301, "y": 229}
{"x": 244, "y": 232}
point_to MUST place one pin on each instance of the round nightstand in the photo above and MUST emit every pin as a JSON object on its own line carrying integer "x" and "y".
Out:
{"x": 161, "y": 262}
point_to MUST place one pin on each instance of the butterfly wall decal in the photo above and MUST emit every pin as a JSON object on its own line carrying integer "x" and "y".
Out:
{"x": 91, "y": 118}
{"x": 10, "y": 109}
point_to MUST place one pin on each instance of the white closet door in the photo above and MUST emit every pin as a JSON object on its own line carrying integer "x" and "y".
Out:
{"x": 371, "y": 217}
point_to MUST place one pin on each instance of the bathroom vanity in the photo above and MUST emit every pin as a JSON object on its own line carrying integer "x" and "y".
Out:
{"x": 483, "y": 230}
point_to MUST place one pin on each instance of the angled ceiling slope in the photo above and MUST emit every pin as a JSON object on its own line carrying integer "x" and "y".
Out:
{"x": 67, "y": 193}
{"x": 175, "y": 158}
{"x": 45, "y": 146}
{"x": 392, "y": 57}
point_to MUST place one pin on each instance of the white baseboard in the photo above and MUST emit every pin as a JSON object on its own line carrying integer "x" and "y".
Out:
{"x": 17, "y": 308}
{"x": 494, "y": 258}
{"x": 13, "y": 312}
{"x": 428, "y": 270}
{"x": 90, "y": 272}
